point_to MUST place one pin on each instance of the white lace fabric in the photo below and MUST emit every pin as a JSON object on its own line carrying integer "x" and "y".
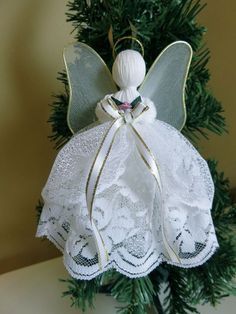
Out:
{"x": 129, "y": 210}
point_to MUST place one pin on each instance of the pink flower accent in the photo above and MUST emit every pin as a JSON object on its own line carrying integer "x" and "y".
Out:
{"x": 125, "y": 106}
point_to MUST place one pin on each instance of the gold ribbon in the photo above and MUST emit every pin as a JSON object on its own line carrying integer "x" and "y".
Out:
{"x": 120, "y": 118}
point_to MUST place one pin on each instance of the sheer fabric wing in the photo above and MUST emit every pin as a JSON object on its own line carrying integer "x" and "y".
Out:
{"x": 89, "y": 81}
{"x": 165, "y": 83}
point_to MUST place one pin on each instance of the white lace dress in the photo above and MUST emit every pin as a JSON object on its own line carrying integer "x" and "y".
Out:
{"x": 129, "y": 211}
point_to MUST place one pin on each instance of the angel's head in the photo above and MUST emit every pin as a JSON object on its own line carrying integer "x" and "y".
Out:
{"x": 128, "y": 69}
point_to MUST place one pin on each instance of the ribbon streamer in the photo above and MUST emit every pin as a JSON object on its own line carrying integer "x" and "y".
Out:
{"x": 120, "y": 118}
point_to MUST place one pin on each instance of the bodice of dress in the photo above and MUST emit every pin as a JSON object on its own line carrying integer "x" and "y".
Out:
{"x": 126, "y": 95}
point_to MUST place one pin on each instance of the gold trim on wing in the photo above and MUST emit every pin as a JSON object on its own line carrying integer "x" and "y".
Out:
{"x": 80, "y": 44}
{"x": 185, "y": 77}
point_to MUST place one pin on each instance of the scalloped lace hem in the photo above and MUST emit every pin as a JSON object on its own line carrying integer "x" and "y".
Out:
{"x": 74, "y": 271}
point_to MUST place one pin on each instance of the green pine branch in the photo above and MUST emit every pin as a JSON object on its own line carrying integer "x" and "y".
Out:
{"x": 178, "y": 299}
{"x": 136, "y": 294}
{"x": 58, "y": 118}
{"x": 82, "y": 292}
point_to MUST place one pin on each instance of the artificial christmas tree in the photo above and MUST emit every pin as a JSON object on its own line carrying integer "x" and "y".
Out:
{"x": 157, "y": 24}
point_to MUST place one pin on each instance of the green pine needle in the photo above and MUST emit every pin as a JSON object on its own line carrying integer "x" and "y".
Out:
{"x": 82, "y": 292}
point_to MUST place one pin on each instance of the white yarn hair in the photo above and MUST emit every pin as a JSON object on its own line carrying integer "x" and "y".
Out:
{"x": 128, "y": 69}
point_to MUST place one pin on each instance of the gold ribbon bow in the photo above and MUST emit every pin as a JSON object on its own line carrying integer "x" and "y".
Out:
{"x": 120, "y": 118}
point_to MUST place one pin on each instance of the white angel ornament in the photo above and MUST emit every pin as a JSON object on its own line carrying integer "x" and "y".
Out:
{"x": 128, "y": 191}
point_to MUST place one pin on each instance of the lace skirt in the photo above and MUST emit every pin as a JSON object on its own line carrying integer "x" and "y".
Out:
{"x": 130, "y": 212}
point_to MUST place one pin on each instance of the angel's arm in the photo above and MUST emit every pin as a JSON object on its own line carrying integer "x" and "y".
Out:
{"x": 151, "y": 114}
{"x": 101, "y": 115}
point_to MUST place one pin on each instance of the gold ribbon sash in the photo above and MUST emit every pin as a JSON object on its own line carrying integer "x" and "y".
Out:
{"x": 120, "y": 118}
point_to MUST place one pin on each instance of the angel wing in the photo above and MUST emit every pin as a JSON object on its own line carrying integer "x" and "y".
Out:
{"x": 89, "y": 81}
{"x": 165, "y": 83}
